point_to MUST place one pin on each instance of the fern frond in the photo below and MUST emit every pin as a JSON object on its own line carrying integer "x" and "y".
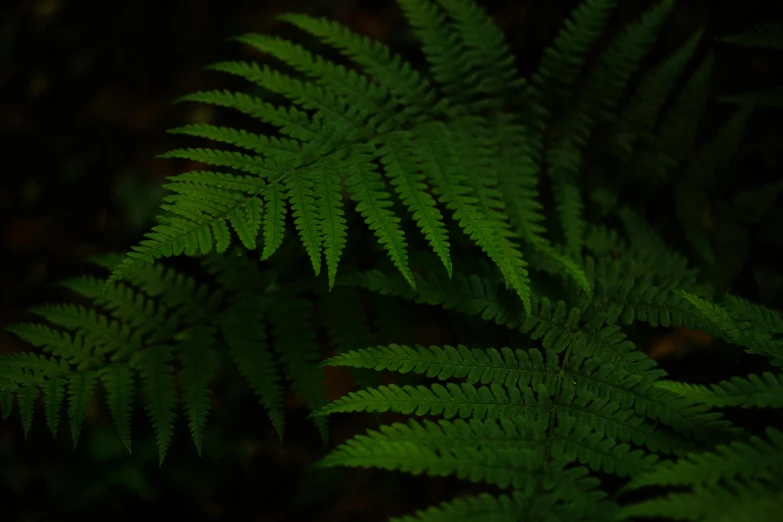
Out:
{"x": 162, "y": 331}
{"x": 636, "y": 137}
{"x": 560, "y": 66}
{"x": 442, "y": 48}
{"x": 411, "y": 89}
{"x": 197, "y": 357}
{"x": 279, "y": 149}
{"x": 765, "y": 391}
{"x": 366, "y": 187}
{"x": 734, "y": 481}
{"x": 507, "y": 367}
{"x": 734, "y": 330}
{"x": 621, "y": 60}
{"x": 27, "y": 397}
{"x": 157, "y": 375}
{"x": 290, "y": 121}
{"x": 764, "y": 320}
{"x": 273, "y": 220}
{"x": 306, "y": 216}
{"x": 54, "y": 393}
{"x": 117, "y": 378}
{"x": 463, "y": 401}
{"x": 398, "y": 157}
{"x": 656, "y": 87}
{"x": 334, "y": 226}
{"x": 485, "y": 48}
{"x": 297, "y": 350}
{"x": 619, "y": 383}
{"x": 503, "y": 468}
{"x": 245, "y": 334}
{"x": 449, "y": 183}
{"x": 261, "y": 305}
{"x": 81, "y": 385}
{"x": 605, "y": 85}
{"x": 364, "y": 94}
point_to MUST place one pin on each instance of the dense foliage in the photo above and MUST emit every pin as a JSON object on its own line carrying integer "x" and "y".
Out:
{"x": 440, "y": 164}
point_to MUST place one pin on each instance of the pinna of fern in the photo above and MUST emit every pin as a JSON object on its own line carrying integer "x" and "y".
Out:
{"x": 442, "y": 140}
{"x": 166, "y": 331}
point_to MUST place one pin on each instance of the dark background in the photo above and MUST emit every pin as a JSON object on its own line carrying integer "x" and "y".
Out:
{"x": 85, "y": 99}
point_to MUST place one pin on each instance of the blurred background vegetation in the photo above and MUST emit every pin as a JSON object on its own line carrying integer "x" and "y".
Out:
{"x": 85, "y": 92}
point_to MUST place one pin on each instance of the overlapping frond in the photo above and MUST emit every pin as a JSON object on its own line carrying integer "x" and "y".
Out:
{"x": 596, "y": 101}
{"x": 141, "y": 332}
{"x": 162, "y": 330}
{"x": 338, "y": 125}
{"x": 527, "y": 421}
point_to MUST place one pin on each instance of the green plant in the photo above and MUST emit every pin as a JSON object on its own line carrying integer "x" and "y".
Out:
{"x": 557, "y": 423}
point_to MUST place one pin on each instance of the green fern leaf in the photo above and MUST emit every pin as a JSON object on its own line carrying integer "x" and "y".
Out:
{"x": 449, "y": 180}
{"x": 557, "y": 73}
{"x": 158, "y": 386}
{"x": 27, "y": 397}
{"x": 656, "y": 87}
{"x": 734, "y": 481}
{"x": 198, "y": 365}
{"x": 54, "y": 393}
{"x": 486, "y": 49}
{"x": 765, "y": 391}
{"x": 290, "y": 121}
{"x": 740, "y": 333}
{"x": 117, "y": 378}
{"x": 246, "y": 338}
{"x": 331, "y": 216}
{"x": 246, "y": 221}
{"x": 81, "y": 386}
{"x": 442, "y": 49}
{"x": 367, "y": 189}
{"x": 296, "y": 348}
{"x": 410, "y": 87}
{"x": 274, "y": 221}
{"x": 366, "y": 96}
{"x": 273, "y": 148}
{"x": 397, "y": 156}
{"x": 503, "y": 468}
{"x": 306, "y": 216}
